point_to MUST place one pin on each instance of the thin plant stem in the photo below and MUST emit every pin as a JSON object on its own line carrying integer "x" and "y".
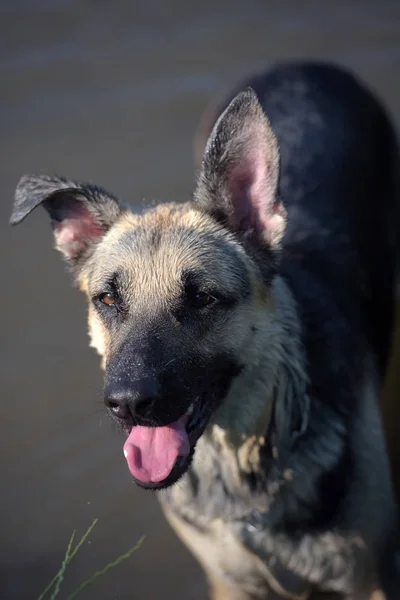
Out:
{"x": 101, "y": 572}
{"x": 62, "y": 569}
{"x": 83, "y": 539}
{"x": 68, "y": 557}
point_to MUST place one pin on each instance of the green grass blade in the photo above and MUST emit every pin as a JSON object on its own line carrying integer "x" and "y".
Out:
{"x": 110, "y": 565}
{"x": 67, "y": 559}
{"x": 62, "y": 569}
{"x": 57, "y": 575}
{"x": 83, "y": 539}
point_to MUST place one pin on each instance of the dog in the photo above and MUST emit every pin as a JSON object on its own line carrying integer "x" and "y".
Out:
{"x": 245, "y": 334}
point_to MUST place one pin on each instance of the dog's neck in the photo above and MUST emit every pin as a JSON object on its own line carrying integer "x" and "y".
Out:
{"x": 230, "y": 450}
{"x": 271, "y": 383}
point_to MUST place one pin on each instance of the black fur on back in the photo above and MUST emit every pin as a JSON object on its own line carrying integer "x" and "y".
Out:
{"x": 339, "y": 186}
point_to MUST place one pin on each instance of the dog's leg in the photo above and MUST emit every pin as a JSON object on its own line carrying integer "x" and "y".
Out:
{"x": 376, "y": 595}
{"x": 328, "y": 561}
{"x": 221, "y": 589}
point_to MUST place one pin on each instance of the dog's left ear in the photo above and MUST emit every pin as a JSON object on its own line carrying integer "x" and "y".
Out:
{"x": 80, "y": 213}
{"x": 239, "y": 176}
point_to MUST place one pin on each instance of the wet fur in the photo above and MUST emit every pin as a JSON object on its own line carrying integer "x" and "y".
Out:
{"x": 289, "y": 491}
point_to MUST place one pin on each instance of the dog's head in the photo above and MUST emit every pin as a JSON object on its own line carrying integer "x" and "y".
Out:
{"x": 175, "y": 294}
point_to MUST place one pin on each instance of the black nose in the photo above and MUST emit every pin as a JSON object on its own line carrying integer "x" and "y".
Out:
{"x": 132, "y": 401}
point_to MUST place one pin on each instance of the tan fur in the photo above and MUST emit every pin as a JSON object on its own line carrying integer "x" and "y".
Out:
{"x": 98, "y": 335}
{"x": 155, "y": 277}
{"x": 219, "y": 552}
{"x": 157, "y": 273}
{"x": 99, "y": 339}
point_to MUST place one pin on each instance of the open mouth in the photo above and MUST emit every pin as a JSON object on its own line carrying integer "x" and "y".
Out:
{"x": 158, "y": 456}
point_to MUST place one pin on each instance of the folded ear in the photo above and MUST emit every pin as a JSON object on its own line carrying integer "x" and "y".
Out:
{"x": 239, "y": 175}
{"x": 80, "y": 213}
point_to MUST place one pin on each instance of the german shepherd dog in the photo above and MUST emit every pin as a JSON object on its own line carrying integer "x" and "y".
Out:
{"x": 245, "y": 335}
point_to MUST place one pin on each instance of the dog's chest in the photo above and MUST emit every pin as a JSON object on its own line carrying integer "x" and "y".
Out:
{"x": 203, "y": 508}
{"x": 219, "y": 484}
{"x": 221, "y": 553}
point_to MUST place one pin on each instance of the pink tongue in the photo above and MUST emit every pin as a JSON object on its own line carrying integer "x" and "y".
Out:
{"x": 151, "y": 452}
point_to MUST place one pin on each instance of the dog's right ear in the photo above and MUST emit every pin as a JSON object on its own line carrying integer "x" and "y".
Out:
{"x": 80, "y": 213}
{"x": 238, "y": 180}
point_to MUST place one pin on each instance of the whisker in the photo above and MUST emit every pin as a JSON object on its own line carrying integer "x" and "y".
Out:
{"x": 170, "y": 362}
{"x": 96, "y": 412}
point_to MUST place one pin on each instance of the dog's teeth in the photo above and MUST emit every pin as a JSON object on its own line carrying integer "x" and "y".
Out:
{"x": 190, "y": 410}
{"x": 125, "y": 453}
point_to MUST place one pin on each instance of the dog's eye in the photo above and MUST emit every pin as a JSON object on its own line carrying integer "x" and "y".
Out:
{"x": 202, "y": 299}
{"x": 107, "y": 298}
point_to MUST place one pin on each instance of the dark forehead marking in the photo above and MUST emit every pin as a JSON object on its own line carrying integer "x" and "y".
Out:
{"x": 102, "y": 279}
